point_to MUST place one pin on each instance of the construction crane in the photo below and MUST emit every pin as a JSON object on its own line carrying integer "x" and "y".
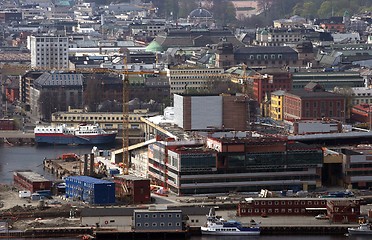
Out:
{"x": 125, "y": 118}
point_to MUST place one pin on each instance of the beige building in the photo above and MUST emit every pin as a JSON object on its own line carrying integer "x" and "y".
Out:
{"x": 107, "y": 120}
{"x": 182, "y": 80}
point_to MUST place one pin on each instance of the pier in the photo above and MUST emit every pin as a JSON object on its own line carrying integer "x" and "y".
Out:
{"x": 17, "y": 137}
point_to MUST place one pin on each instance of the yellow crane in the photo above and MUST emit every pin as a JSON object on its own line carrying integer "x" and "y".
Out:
{"x": 125, "y": 118}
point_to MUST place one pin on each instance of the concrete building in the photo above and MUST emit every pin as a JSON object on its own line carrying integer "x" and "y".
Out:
{"x": 49, "y": 52}
{"x": 356, "y": 167}
{"x": 203, "y": 112}
{"x": 56, "y": 91}
{"x": 280, "y": 36}
{"x": 182, "y": 80}
{"x": 312, "y": 103}
{"x": 328, "y": 80}
{"x": 235, "y": 164}
{"x": 361, "y": 95}
{"x": 266, "y": 57}
{"x": 157, "y": 220}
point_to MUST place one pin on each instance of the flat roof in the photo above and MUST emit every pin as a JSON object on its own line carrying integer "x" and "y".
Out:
{"x": 32, "y": 176}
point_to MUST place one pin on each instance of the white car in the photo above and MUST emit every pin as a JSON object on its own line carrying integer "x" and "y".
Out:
{"x": 321, "y": 217}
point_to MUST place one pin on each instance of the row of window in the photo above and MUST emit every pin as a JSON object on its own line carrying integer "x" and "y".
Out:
{"x": 290, "y": 202}
{"x": 160, "y": 215}
{"x": 196, "y": 72}
{"x": 95, "y": 118}
{"x": 276, "y": 210}
{"x": 156, "y": 224}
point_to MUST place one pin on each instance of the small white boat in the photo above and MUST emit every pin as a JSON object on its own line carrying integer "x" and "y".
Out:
{"x": 363, "y": 229}
{"x": 218, "y": 226}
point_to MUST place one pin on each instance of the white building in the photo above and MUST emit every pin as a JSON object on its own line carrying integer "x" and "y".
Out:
{"x": 361, "y": 95}
{"x": 50, "y": 52}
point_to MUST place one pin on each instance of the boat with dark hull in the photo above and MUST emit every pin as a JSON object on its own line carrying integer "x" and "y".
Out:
{"x": 84, "y": 134}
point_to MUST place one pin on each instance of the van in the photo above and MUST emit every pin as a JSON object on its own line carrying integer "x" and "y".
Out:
{"x": 24, "y": 194}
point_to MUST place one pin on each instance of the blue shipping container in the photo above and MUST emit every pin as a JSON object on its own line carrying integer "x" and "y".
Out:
{"x": 91, "y": 190}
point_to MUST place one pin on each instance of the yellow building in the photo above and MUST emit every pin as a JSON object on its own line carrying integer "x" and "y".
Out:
{"x": 276, "y": 106}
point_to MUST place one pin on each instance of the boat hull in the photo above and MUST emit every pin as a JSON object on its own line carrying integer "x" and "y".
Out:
{"x": 359, "y": 232}
{"x": 206, "y": 231}
{"x": 66, "y": 139}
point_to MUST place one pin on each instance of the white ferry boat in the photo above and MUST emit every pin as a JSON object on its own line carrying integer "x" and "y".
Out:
{"x": 218, "y": 226}
{"x": 83, "y": 134}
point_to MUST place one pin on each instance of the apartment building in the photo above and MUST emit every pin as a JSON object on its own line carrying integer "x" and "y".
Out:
{"x": 184, "y": 80}
{"x": 49, "y": 52}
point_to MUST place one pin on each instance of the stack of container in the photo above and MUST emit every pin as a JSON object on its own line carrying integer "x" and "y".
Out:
{"x": 91, "y": 190}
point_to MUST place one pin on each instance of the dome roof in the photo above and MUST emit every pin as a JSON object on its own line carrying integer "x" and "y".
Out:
{"x": 264, "y": 32}
{"x": 154, "y": 47}
{"x": 200, "y": 13}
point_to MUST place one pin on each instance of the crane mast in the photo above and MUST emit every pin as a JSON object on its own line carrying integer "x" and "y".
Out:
{"x": 125, "y": 118}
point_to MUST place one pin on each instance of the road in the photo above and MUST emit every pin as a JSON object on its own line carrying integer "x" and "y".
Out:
{"x": 16, "y": 134}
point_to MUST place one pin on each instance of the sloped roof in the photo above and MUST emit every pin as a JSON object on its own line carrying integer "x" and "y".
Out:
{"x": 266, "y": 50}
{"x": 59, "y": 79}
{"x": 154, "y": 47}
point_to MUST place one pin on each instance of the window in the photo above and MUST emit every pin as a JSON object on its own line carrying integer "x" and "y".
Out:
{"x": 161, "y": 224}
{"x": 138, "y": 224}
{"x": 146, "y": 216}
{"x": 146, "y": 224}
{"x": 154, "y": 224}
{"x": 169, "y": 224}
{"x": 153, "y": 215}
{"x": 178, "y": 224}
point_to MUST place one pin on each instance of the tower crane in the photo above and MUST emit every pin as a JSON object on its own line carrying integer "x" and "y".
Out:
{"x": 125, "y": 118}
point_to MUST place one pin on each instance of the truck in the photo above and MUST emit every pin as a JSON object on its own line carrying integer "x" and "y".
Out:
{"x": 24, "y": 194}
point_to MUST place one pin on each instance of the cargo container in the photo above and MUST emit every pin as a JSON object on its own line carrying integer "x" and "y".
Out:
{"x": 90, "y": 190}
{"x": 31, "y": 181}
{"x": 133, "y": 189}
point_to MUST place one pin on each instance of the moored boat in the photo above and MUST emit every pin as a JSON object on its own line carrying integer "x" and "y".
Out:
{"x": 218, "y": 226}
{"x": 83, "y": 134}
{"x": 362, "y": 229}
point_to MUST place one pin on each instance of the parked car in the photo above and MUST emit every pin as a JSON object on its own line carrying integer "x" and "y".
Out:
{"x": 321, "y": 217}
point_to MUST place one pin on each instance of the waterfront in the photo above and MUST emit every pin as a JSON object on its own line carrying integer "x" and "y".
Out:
{"x": 31, "y": 157}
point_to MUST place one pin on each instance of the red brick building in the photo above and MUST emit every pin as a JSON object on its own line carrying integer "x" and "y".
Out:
{"x": 269, "y": 81}
{"x": 12, "y": 91}
{"x": 343, "y": 211}
{"x": 313, "y": 102}
{"x": 281, "y": 206}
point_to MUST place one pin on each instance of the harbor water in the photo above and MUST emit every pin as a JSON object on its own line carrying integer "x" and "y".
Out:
{"x": 31, "y": 158}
